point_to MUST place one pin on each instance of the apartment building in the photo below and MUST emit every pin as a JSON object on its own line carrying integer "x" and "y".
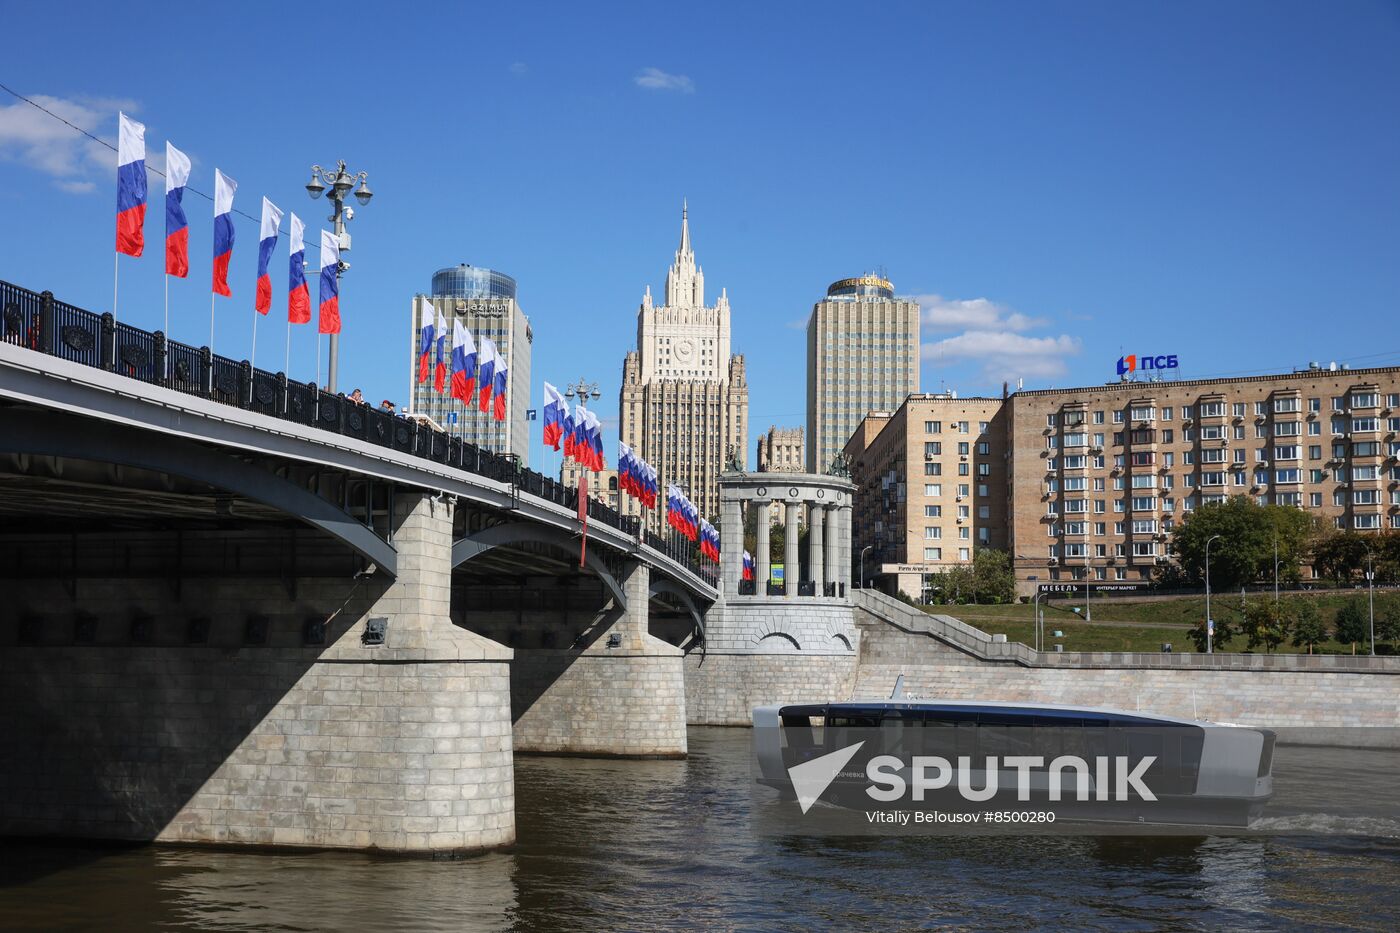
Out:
{"x": 931, "y": 486}
{"x": 1095, "y": 479}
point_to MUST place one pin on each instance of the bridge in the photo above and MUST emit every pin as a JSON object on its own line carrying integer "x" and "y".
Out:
{"x": 242, "y": 609}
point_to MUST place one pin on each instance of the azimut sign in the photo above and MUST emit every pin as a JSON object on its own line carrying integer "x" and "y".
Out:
{"x": 1134, "y": 362}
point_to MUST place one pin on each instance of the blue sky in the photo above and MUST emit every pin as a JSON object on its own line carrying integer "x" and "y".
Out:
{"x": 1060, "y": 182}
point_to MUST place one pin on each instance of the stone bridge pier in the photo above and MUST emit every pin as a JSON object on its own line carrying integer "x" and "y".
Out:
{"x": 616, "y": 691}
{"x": 246, "y": 707}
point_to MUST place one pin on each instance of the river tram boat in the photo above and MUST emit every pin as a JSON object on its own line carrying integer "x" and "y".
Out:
{"x": 1073, "y": 763}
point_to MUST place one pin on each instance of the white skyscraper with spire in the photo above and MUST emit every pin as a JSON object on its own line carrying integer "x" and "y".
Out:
{"x": 684, "y": 403}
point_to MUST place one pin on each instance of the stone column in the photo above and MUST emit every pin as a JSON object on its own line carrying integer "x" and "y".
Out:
{"x": 731, "y": 547}
{"x": 833, "y": 538}
{"x": 760, "y": 560}
{"x": 843, "y": 547}
{"x": 790, "y": 562}
{"x": 815, "y": 525}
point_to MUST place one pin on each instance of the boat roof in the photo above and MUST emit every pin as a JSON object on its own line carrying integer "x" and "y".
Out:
{"x": 911, "y": 703}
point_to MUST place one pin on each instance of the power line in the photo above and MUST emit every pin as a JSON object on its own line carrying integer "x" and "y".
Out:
{"x": 103, "y": 142}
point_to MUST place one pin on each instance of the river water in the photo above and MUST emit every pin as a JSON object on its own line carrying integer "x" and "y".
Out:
{"x": 662, "y": 845}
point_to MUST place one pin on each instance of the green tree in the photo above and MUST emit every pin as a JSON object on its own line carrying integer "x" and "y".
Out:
{"x": 1224, "y": 631}
{"x": 1353, "y": 622}
{"x": 1308, "y": 628}
{"x": 993, "y": 580}
{"x": 1339, "y": 555}
{"x": 1388, "y": 618}
{"x": 1267, "y": 623}
{"x": 1244, "y": 551}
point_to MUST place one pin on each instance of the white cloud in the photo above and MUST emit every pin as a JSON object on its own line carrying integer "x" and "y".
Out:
{"x": 994, "y": 336}
{"x": 33, "y": 138}
{"x": 654, "y": 79}
{"x": 939, "y": 313}
{"x": 519, "y": 68}
{"x": 1005, "y": 355}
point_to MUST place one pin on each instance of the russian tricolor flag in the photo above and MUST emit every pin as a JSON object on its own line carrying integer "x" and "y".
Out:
{"x": 131, "y": 185}
{"x": 224, "y": 187}
{"x": 748, "y": 566}
{"x": 440, "y": 377}
{"x": 566, "y": 433}
{"x": 594, "y": 445}
{"x": 330, "y": 284}
{"x": 177, "y": 228}
{"x": 556, "y": 412}
{"x": 488, "y": 372}
{"x": 298, "y": 295}
{"x": 498, "y": 386}
{"x": 577, "y": 445}
{"x": 267, "y": 242}
{"x": 463, "y": 363}
{"x": 426, "y": 335}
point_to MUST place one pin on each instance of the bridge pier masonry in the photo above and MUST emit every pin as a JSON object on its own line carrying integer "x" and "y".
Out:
{"x": 784, "y": 642}
{"x": 244, "y": 733}
{"x": 618, "y": 691}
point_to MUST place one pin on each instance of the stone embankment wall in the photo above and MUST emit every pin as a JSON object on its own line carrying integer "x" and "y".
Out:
{"x": 762, "y": 651}
{"x": 1311, "y": 698}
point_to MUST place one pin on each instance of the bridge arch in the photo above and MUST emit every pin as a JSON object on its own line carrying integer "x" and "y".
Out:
{"x": 55, "y": 435}
{"x": 507, "y": 533}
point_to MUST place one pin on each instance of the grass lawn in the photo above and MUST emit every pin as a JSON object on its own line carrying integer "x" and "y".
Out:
{"x": 1122, "y": 624}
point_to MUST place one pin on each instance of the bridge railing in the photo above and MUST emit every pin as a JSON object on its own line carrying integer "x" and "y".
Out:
{"x": 40, "y": 322}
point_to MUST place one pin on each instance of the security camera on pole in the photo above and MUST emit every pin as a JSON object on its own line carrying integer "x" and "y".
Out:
{"x": 340, "y": 182}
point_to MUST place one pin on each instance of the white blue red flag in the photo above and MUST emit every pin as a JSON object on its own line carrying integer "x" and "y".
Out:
{"x": 499, "y": 378}
{"x": 177, "y": 228}
{"x": 575, "y": 442}
{"x": 224, "y": 187}
{"x": 427, "y": 334}
{"x": 267, "y": 242}
{"x": 329, "y": 322}
{"x": 298, "y": 294}
{"x": 488, "y": 372}
{"x": 440, "y": 374}
{"x": 556, "y": 412}
{"x": 748, "y": 566}
{"x": 595, "y": 443}
{"x": 651, "y": 485}
{"x": 131, "y": 185}
{"x": 709, "y": 541}
{"x": 463, "y": 363}
{"x": 626, "y": 470}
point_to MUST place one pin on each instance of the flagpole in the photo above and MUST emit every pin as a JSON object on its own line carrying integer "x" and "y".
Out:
{"x": 287, "y": 364}
{"x": 165, "y": 374}
{"x": 116, "y": 268}
{"x": 212, "y": 296}
{"x": 318, "y": 359}
{"x": 253, "y": 353}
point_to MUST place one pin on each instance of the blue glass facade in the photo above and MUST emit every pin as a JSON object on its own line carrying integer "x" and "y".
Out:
{"x": 466, "y": 281}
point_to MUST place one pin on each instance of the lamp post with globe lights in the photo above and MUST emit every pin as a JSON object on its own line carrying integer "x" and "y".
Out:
{"x": 340, "y": 182}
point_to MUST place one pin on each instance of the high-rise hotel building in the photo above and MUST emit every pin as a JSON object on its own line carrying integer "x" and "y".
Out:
{"x": 862, "y": 356}
{"x": 684, "y": 401}
{"x": 485, "y": 302}
{"x": 1093, "y": 480}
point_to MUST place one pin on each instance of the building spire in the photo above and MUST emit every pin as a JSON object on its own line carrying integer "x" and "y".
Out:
{"x": 685, "y": 227}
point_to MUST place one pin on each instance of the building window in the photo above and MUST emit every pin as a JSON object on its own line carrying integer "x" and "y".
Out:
{"x": 933, "y": 511}
{"x": 933, "y": 427}
{"x": 1212, "y": 409}
{"x": 932, "y": 532}
{"x": 1365, "y": 424}
{"x": 933, "y": 489}
{"x": 933, "y": 553}
{"x": 1365, "y": 400}
{"x": 1285, "y": 405}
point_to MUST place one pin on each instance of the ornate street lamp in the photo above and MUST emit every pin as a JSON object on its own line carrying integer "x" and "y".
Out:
{"x": 340, "y": 181}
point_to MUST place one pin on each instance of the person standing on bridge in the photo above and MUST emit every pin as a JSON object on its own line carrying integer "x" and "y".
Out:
{"x": 357, "y": 397}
